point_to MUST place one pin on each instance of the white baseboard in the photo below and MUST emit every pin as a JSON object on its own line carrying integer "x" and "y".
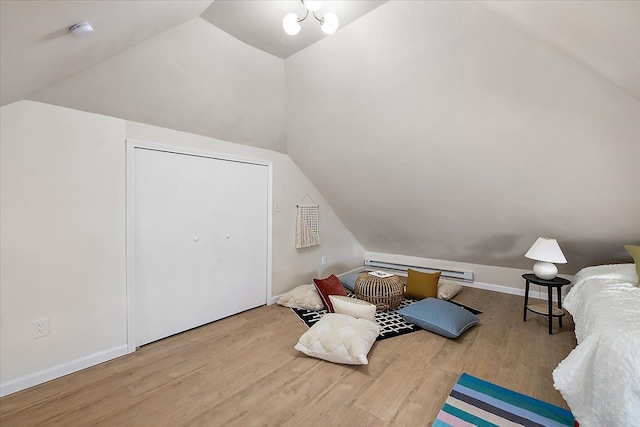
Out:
{"x": 61, "y": 370}
{"x": 538, "y": 294}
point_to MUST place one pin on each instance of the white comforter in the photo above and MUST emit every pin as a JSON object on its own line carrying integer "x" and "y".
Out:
{"x": 600, "y": 379}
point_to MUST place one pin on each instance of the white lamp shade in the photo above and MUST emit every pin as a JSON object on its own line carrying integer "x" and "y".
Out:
{"x": 312, "y": 5}
{"x": 290, "y": 24}
{"x": 546, "y": 250}
{"x": 329, "y": 23}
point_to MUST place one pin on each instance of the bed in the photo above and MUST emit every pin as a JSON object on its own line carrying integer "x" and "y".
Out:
{"x": 600, "y": 378}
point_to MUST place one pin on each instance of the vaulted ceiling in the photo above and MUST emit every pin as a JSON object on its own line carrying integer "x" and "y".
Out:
{"x": 449, "y": 130}
{"x": 259, "y": 23}
{"x": 37, "y": 50}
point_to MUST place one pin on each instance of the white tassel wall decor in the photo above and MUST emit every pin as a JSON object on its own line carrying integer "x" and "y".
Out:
{"x": 307, "y": 234}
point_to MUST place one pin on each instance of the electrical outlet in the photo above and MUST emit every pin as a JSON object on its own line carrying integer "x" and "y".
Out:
{"x": 324, "y": 260}
{"x": 40, "y": 328}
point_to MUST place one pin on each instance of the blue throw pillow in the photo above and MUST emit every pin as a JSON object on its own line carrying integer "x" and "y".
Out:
{"x": 349, "y": 280}
{"x": 440, "y": 317}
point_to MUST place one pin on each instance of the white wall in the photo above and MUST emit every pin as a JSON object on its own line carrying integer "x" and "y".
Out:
{"x": 441, "y": 130}
{"x": 62, "y": 220}
{"x": 63, "y": 235}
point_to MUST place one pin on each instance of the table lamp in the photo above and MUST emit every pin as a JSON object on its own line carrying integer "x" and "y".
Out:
{"x": 547, "y": 252}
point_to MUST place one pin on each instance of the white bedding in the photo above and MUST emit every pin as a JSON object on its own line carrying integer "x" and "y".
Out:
{"x": 600, "y": 379}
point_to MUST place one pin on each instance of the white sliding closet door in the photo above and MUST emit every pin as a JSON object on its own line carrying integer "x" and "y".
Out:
{"x": 200, "y": 240}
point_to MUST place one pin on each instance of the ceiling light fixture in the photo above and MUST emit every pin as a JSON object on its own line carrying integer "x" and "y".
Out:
{"x": 81, "y": 29}
{"x": 328, "y": 23}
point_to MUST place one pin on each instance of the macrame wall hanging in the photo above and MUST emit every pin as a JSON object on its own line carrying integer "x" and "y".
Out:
{"x": 307, "y": 234}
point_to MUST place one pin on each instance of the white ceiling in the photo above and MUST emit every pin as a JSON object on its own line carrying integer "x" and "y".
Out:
{"x": 157, "y": 62}
{"x": 458, "y": 135}
{"x": 37, "y": 51}
{"x": 604, "y": 35}
{"x": 259, "y": 23}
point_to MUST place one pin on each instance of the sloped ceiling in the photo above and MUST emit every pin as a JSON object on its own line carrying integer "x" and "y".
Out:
{"x": 450, "y": 130}
{"x": 154, "y": 61}
{"x": 194, "y": 78}
{"x": 442, "y": 130}
{"x": 603, "y": 35}
{"x": 38, "y": 51}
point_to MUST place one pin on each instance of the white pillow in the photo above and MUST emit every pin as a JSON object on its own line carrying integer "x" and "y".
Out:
{"x": 339, "y": 338}
{"x": 447, "y": 289}
{"x": 353, "y": 307}
{"x": 304, "y": 296}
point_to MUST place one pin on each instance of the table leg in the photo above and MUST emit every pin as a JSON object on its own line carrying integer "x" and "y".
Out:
{"x": 526, "y": 301}
{"x": 559, "y": 304}
{"x": 550, "y": 296}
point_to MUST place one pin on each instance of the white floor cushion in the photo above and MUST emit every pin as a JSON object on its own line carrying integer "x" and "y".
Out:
{"x": 304, "y": 296}
{"x": 339, "y": 338}
{"x": 448, "y": 289}
{"x": 353, "y": 307}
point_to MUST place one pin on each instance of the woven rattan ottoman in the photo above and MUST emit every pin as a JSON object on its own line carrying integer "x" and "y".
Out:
{"x": 386, "y": 293}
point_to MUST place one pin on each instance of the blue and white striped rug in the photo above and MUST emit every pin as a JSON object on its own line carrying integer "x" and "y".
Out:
{"x": 475, "y": 402}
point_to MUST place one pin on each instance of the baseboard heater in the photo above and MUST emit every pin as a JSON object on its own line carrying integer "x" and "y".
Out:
{"x": 401, "y": 269}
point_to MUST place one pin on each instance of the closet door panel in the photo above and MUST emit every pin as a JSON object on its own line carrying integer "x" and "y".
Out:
{"x": 240, "y": 209}
{"x": 174, "y": 245}
{"x": 155, "y": 222}
{"x": 193, "y": 285}
{"x": 200, "y": 246}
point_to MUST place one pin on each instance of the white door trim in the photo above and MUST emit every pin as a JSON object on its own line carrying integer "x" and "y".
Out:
{"x": 130, "y": 174}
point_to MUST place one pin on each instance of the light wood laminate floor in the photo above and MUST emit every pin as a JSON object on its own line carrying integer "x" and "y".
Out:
{"x": 243, "y": 371}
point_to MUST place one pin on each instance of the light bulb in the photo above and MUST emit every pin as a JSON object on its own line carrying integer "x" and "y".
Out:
{"x": 329, "y": 23}
{"x": 312, "y": 5}
{"x": 290, "y": 24}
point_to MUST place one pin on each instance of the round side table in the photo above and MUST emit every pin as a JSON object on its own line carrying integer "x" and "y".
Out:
{"x": 549, "y": 310}
{"x": 385, "y": 292}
